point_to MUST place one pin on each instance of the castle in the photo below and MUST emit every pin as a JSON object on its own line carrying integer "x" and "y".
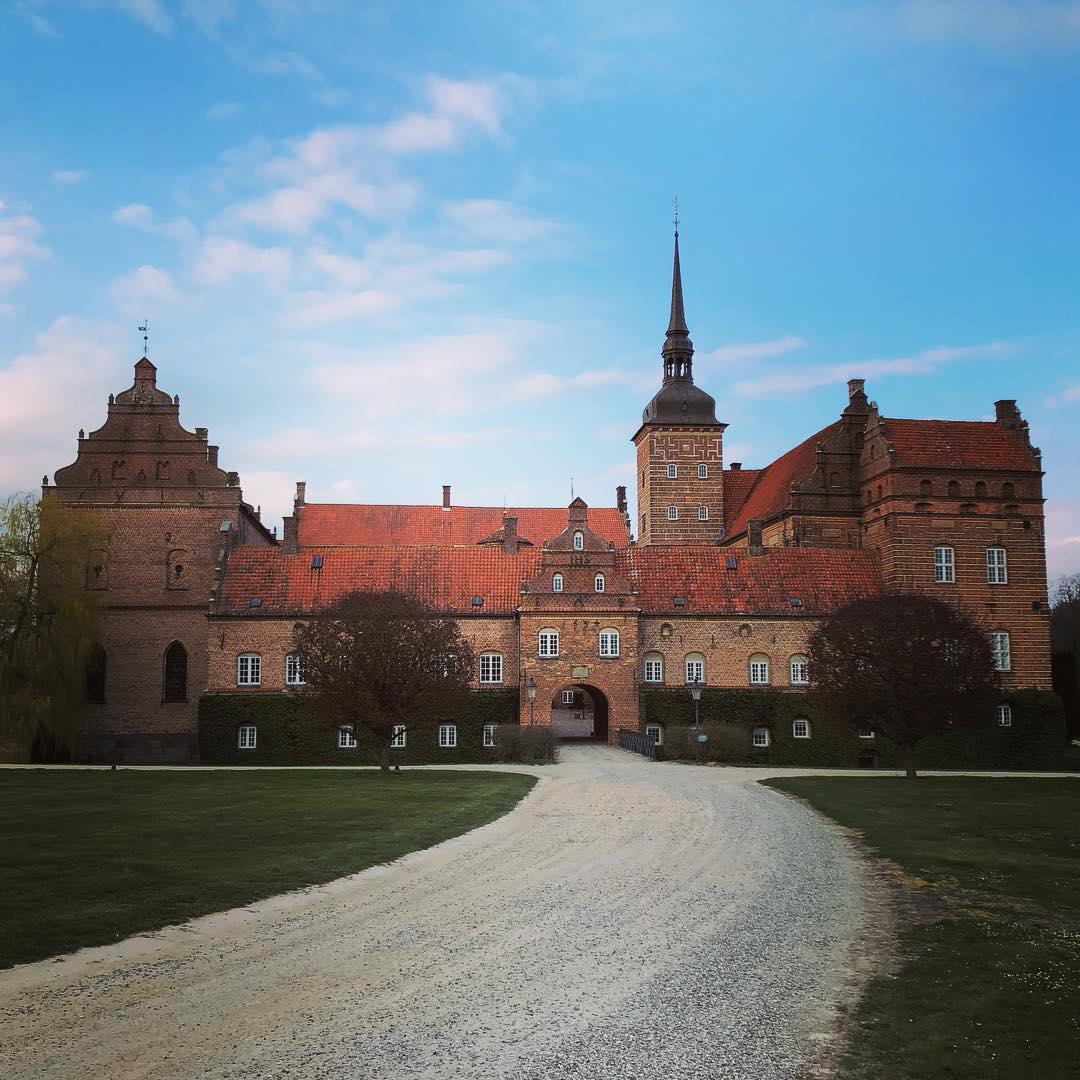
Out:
{"x": 571, "y": 612}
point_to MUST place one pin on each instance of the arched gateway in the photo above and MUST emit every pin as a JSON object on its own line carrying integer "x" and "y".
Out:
{"x": 580, "y": 711}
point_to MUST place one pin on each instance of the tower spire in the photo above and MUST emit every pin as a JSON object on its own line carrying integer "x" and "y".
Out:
{"x": 678, "y": 351}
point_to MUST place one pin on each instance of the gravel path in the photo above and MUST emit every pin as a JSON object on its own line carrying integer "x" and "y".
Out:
{"x": 628, "y": 919}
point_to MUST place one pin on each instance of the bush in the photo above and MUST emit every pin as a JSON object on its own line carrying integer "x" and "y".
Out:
{"x": 526, "y": 745}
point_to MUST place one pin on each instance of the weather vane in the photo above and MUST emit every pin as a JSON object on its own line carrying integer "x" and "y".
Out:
{"x": 145, "y": 331}
{"x": 675, "y": 213}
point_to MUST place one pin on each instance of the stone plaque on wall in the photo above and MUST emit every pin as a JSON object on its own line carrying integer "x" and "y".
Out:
{"x": 579, "y": 671}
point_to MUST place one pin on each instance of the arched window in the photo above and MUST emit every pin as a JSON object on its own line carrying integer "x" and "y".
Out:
{"x": 294, "y": 670}
{"x": 548, "y": 643}
{"x": 174, "y": 688}
{"x": 249, "y": 669}
{"x": 800, "y": 729}
{"x": 245, "y": 737}
{"x": 694, "y": 667}
{"x": 95, "y": 676}
{"x": 672, "y": 471}
{"x": 654, "y": 667}
{"x": 609, "y": 642}
{"x": 980, "y": 489}
{"x": 926, "y": 489}
{"x": 944, "y": 565}
{"x": 954, "y": 489}
{"x": 759, "y": 670}
{"x": 579, "y": 541}
{"x": 657, "y": 733}
{"x": 1008, "y": 490}
{"x": 703, "y": 471}
{"x": 799, "y": 671}
{"x": 556, "y": 583}
{"x": 997, "y": 572}
{"x": 999, "y": 646}
{"x": 491, "y": 666}
{"x": 599, "y": 583}
{"x": 346, "y": 737}
{"x": 761, "y": 737}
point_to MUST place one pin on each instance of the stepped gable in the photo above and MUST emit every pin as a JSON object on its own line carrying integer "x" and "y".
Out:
{"x": 447, "y": 578}
{"x": 349, "y": 524}
{"x": 771, "y": 491}
{"x": 958, "y": 444}
{"x": 822, "y": 579}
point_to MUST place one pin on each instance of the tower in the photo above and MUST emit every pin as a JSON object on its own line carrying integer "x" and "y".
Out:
{"x": 680, "y": 463}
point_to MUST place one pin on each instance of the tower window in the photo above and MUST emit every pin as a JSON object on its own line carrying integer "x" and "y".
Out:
{"x": 703, "y": 513}
{"x": 703, "y": 471}
{"x": 672, "y": 471}
{"x": 999, "y": 646}
{"x": 996, "y": 569}
{"x": 673, "y": 513}
{"x": 944, "y": 565}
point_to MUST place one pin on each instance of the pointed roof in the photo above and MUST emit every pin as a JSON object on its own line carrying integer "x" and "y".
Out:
{"x": 677, "y": 343}
{"x": 677, "y": 322}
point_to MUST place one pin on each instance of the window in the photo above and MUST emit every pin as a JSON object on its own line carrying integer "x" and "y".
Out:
{"x": 954, "y": 489}
{"x": 999, "y": 646}
{"x": 609, "y": 642}
{"x": 489, "y": 734}
{"x": 759, "y": 670}
{"x": 980, "y": 489}
{"x": 673, "y": 513}
{"x": 695, "y": 668}
{"x": 448, "y": 736}
{"x": 346, "y": 738}
{"x": 761, "y": 736}
{"x": 996, "y": 570}
{"x": 249, "y": 669}
{"x": 568, "y": 697}
{"x": 579, "y": 541}
{"x": 925, "y": 488}
{"x": 556, "y": 583}
{"x": 800, "y": 729}
{"x": 654, "y": 668}
{"x": 800, "y": 671}
{"x": 491, "y": 667}
{"x": 1008, "y": 491}
{"x": 245, "y": 737}
{"x": 657, "y": 733}
{"x": 599, "y": 583}
{"x": 944, "y": 565}
{"x": 294, "y": 670}
{"x": 95, "y": 676}
{"x": 549, "y": 643}
{"x": 175, "y": 684}
{"x": 397, "y": 738}
{"x": 672, "y": 471}
{"x": 866, "y": 733}
{"x": 703, "y": 513}
{"x": 703, "y": 471}
{"x": 1004, "y": 716}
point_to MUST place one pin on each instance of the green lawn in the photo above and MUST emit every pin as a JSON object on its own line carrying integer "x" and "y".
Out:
{"x": 991, "y": 988}
{"x": 88, "y": 857}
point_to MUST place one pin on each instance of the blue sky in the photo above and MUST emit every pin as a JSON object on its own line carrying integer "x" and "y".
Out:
{"x": 386, "y": 247}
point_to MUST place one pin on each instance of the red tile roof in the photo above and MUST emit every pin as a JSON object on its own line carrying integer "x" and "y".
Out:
{"x": 349, "y": 524}
{"x": 771, "y": 491}
{"x": 822, "y": 578}
{"x": 737, "y": 485}
{"x": 957, "y": 444}
{"x": 446, "y": 577}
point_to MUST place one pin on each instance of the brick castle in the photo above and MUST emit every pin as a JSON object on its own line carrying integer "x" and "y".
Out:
{"x": 721, "y": 581}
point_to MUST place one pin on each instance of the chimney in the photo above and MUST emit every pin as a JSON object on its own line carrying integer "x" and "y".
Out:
{"x": 753, "y": 536}
{"x": 288, "y": 539}
{"x": 1008, "y": 415}
{"x": 301, "y": 493}
{"x": 620, "y": 498}
{"x": 735, "y": 466}
{"x": 855, "y": 386}
{"x": 510, "y": 536}
{"x": 211, "y": 455}
{"x": 202, "y": 434}
{"x": 446, "y": 496}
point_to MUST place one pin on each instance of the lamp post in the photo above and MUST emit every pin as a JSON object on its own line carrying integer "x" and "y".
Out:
{"x": 695, "y": 693}
{"x": 530, "y": 689}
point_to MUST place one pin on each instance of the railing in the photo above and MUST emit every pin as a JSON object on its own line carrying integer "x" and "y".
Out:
{"x": 638, "y": 742}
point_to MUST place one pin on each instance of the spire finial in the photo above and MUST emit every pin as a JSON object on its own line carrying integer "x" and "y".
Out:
{"x": 145, "y": 331}
{"x": 675, "y": 215}
{"x": 678, "y": 351}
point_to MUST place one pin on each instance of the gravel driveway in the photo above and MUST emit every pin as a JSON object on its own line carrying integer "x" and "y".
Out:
{"x": 628, "y": 919}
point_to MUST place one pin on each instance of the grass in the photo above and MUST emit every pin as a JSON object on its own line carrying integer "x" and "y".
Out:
{"x": 990, "y": 989}
{"x": 89, "y": 857}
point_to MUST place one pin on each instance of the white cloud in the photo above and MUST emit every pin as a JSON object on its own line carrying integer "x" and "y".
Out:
{"x": 541, "y": 384}
{"x": 223, "y": 257}
{"x": 148, "y": 287}
{"x": 70, "y": 176}
{"x": 18, "y": 243}
{"x": 753, "y": 350}
{"x": 1064, "y": 397}
{"x": 497, "y": 221}
{"x": 141, "y": 216}
{"x": 151, "y": 13}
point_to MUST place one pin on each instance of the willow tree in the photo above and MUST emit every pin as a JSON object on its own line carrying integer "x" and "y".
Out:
{"x": 48, "y": 623}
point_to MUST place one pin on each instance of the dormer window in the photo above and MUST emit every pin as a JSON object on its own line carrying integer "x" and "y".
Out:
{"x": 579, "y": 541}
{"x": 599, "y": 583}
{"x": 556, "y": 583}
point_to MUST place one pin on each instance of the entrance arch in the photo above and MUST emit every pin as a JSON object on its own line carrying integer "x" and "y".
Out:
{"x": 580, "y": 711}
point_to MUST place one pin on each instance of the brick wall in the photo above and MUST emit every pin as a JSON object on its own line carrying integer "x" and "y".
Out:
{"x": 686, "y": 448}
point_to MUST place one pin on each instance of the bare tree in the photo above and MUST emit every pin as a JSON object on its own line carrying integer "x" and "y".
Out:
{"x": 906, "y": 665}
{"x": 383, "y": 663}
{"x": 1065, "y": 634}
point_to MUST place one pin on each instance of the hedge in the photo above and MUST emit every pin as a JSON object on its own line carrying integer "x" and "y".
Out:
{"x": 290, "y": 731}
{"x": 1036, "y": 739}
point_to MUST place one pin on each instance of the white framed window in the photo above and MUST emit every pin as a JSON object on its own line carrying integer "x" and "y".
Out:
{"x": 491, "y": 667}
{"x": 579, "y": 541}
{"x": 866, "y": 733}
{"x": 672, "y": 471}
{"x": 568, "y": 697}
{"x": 695, "y": 668}
{"x": 397, "y": 738}
{"x": 999, "y": 646}
{"x": 599, "y": 583}
{"x": 489, "y": 735}
{"x": 249, "y": 669}
{"x": 654, "y": 668}
{"x": 759, "y": 670}
{"x": 1004, "y": 716}
{"x": 761, "y": 736}
{"x": 556, "y": 583}
{"x": 346, "y": 737}
{"x": 800, "y": 729}
{"x": 673, "y": 513}
{"x": 609, "y": 642}
{"x": 703, "y": 471}
{"x": 294, "y": 670}
{"x": 447, "y": 736}
{"x": 657, "y": 732}
{"x": 799, "y": 670}
{"x": 703, "y": 513}
{"x": 997, "y": 572}
{"x": 245, "y": 737}
{"x": 944, "y": 565}
{"x": 548, "y": 643}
